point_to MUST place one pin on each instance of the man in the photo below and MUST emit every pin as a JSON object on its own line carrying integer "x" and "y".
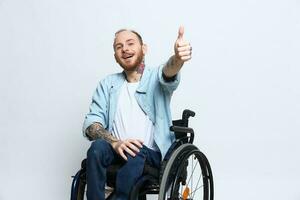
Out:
{"x": 130, "y": 116}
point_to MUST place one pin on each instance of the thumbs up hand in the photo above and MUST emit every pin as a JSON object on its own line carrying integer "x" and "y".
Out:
{"x": 182, "y": 48}
{"x": 183, "y": 53}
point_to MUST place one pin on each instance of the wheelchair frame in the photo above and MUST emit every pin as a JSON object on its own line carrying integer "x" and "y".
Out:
{"x": 156, "y": 181}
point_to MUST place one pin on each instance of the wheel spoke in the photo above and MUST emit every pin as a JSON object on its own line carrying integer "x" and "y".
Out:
{"x": 196, "y": 189}
{"x": 191, "y": 193}
{"x": 194, "y": 167}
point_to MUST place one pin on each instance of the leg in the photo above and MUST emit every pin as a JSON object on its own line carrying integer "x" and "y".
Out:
{"x": 99, "y": 156}
{"x": 133, "y": 169}
{"x": 153, "y": 158}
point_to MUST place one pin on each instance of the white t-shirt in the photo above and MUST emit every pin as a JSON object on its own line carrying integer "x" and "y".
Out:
{"x": 130, "y": 120}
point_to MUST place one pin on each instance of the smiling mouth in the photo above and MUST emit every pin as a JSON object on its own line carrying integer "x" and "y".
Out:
{"x": 127, "y": 56}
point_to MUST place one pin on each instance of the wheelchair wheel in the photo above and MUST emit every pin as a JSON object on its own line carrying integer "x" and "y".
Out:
{"x": 187, "y": 176}
{"x": 79, "y": 191}
{"x": 79, "y": 186}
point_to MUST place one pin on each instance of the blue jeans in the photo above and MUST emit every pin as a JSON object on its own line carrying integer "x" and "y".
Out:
{"x": 101, "y": 154}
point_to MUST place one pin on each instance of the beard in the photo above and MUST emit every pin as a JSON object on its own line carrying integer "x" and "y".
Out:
{"x": 133, "y": 63}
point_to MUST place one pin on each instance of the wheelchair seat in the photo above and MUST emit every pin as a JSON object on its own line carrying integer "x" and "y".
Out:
{"x": 111, "y": 172}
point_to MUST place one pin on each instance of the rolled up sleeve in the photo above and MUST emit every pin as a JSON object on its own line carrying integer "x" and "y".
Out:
{"x": 98, "y": 108}
{"x": 168, "y": 86}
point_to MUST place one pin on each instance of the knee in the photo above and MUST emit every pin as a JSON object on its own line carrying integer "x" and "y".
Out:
{"x": 139, "y": 156}
{"x": 98, "y": 148}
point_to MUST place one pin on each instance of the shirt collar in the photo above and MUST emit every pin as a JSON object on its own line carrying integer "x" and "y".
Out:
{"x": 142, "y": 88}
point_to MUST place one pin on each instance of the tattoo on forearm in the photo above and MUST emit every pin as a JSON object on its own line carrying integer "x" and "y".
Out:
{"x": 96, "y": 131}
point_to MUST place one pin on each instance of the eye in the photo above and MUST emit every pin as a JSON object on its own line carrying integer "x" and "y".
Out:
{"x": 130, "y": 43}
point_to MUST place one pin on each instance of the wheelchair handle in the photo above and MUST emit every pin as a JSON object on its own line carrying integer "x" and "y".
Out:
{"x": 187, "y": 113}
{"x": 185, "y": 117}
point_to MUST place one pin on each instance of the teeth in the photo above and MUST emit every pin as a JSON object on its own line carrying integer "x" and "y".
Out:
{"x": 127, "y": 57}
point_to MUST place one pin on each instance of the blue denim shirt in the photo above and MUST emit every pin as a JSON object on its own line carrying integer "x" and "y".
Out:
{"x": 153, "y": 95}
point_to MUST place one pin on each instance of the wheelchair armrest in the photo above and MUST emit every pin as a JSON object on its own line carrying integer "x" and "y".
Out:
{"x": 181, "y": 133}
{"x": 181, "y": 129}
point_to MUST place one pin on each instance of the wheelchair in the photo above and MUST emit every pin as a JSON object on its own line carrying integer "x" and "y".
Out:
{"x": 185, "y": 172}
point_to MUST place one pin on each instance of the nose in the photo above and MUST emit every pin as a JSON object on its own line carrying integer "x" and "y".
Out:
{"x": 125, "y": 48}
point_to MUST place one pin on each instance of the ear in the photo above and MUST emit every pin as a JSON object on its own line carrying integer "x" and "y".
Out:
{"x": 144, "y": 48}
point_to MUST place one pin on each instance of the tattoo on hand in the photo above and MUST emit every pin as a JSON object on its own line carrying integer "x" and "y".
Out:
{"x": 96, "y": 131}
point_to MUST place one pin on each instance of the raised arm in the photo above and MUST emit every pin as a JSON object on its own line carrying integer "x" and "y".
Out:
{"x": 182, "y": 53}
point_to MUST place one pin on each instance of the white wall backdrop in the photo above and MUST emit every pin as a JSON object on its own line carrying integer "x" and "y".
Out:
{"x": 243, "y": 82}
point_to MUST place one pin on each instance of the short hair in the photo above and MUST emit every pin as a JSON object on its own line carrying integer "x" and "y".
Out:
{"x": 133, "y": 31}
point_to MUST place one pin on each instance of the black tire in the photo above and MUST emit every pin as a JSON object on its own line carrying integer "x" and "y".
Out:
{"x": 148, "y": 184}
{"x": 81, "y": 193}
{"x": 179, "y": 174}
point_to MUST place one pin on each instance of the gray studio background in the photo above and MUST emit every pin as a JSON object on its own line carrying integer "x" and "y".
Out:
{"x": 243, "y": 82}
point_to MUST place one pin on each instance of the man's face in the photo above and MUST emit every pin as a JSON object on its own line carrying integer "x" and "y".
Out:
{"x": 129, "y": 52}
